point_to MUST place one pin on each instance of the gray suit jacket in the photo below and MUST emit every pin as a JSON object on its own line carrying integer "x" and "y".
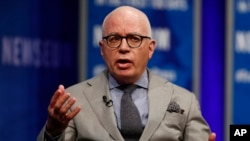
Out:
{"x": 97, "y": 122}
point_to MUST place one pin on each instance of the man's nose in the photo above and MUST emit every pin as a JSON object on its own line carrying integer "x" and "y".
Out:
{"x": 124, "y": 45}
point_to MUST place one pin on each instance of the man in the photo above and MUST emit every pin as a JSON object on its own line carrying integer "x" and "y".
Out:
{"x": 93, "y": 109}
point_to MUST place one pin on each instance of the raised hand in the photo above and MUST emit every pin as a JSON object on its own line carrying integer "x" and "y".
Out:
{"x": 59, "y": 114}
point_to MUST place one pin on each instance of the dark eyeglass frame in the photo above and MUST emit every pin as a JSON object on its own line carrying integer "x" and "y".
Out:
{"x": 126, "y": 37}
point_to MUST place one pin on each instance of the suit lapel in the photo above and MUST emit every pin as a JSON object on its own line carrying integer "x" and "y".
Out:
{"x": 159, "y": 96}
{"x": 98, "y": 89}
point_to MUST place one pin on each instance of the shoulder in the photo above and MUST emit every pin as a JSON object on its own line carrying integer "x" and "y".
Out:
{"x": 176, "y": 90}
{"x": 95, "y": 81}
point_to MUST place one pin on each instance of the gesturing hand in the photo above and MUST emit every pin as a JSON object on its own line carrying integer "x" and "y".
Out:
{"x": 58, "y": 110}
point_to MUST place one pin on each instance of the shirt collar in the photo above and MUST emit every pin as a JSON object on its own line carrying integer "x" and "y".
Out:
{"x": 142, "y": 82}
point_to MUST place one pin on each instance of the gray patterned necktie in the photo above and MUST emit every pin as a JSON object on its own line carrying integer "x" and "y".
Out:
{"x": 131, "y": 126}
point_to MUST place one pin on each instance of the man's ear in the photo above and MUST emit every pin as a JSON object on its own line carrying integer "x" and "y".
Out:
{"x": 151, "y": 48}
{"x": 101, "y": 44}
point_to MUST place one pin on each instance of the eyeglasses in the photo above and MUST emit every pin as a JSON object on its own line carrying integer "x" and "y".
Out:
{"x": 133, "y": 40}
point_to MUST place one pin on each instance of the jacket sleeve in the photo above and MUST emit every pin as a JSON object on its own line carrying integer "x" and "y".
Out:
{"x": 196, "y": 128}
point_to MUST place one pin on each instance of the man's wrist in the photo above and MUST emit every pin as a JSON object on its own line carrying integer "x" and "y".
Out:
{"x": 49, "y": 137}
{"x": 52, "y": 132}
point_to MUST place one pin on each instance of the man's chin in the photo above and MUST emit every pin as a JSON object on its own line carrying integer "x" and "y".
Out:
{"x": 124, "y": 76}
{"x": 124, "y": 73}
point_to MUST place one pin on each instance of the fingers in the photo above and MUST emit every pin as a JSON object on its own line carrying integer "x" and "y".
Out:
{"x": 59, "y": 107}
{"x": 59, "y": 111}
{"x": 60, "y": 104}
{"x": 67, "y": 106}
{"x": 72, "y": 114}
{"x": 69, "y": 115}
{"x": 59, "y": 92}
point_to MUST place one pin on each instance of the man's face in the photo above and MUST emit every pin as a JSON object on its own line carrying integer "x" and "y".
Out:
{"x": 124, "y": 63}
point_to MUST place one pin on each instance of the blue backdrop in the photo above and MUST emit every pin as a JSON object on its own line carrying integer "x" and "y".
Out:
{"x": 240, "y": 63}
{"x": 38, "y": 47}
{"x": 213, "y": 64}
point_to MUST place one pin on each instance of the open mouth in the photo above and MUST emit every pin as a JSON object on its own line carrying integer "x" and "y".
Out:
{"x": 123, "y": 63}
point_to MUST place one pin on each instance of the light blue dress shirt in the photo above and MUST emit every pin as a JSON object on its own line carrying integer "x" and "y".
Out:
{"x": 139, "y": 96}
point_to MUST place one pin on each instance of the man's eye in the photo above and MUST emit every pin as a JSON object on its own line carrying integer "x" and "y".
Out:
{"x": 134, "y": 38}
{"x": 114, "y": 38}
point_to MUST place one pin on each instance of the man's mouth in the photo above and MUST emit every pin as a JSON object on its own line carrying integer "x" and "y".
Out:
{"x": 123, "y": 63}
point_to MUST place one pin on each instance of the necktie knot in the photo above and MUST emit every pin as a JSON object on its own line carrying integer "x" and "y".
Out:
{"x": 128, "y": 89}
